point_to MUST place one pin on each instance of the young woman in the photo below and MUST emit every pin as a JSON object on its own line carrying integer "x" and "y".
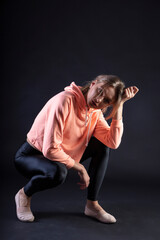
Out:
{"x": 69, "y": 129}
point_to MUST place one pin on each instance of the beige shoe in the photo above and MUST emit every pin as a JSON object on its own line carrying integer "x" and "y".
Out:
{"x": 23, "y": 207}
{"x": 101, "y": 215}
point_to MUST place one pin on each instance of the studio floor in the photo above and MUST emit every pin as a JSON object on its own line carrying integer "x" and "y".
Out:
{"x": 59, "y": 212}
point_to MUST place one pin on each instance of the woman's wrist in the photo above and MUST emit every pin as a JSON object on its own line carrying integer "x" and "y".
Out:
{"x": 78, "y": 167}
{"x": 118, "y": 114}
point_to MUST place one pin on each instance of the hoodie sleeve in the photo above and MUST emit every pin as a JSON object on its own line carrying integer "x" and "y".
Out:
{"x": 53, "y": 132}
{"x": 109, "y": 135}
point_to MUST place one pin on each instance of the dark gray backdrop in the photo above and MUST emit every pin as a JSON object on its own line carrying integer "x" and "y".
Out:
{"x": 49, "y": 44}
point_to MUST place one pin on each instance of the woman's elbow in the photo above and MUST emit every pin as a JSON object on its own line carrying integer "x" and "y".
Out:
{"x": 115, "y": 145}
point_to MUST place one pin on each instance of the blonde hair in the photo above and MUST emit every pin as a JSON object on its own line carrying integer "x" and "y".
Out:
{"x": 109, "y": 81}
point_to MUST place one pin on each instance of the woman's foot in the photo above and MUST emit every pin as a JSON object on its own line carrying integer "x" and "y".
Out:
{"x": 23, "y": 207}
{"x": 93, "y": 209}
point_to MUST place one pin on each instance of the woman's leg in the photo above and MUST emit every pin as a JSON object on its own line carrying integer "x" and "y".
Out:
{"x": 99, "y": 154}
{"x": 41, "y": 172}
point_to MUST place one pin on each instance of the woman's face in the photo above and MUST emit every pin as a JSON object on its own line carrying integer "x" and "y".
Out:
{"x": 99, "y": 96}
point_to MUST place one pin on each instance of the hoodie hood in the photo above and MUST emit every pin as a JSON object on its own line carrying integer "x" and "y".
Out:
{"x": 76, "y": 91}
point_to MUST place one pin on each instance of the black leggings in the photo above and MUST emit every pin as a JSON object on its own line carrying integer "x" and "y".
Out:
{"x": 44, "y": 173}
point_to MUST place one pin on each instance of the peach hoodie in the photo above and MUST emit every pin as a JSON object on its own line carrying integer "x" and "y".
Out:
{"x": 64, "y": 126}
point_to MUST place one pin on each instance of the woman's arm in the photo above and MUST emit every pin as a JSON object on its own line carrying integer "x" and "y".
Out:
{"x": 55, "y": 117}
{"x": 111, "y": 136}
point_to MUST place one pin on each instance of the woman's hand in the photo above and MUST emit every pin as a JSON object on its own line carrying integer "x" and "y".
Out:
{"x": 84, "y": 178}
{"x": 129, "y": 93}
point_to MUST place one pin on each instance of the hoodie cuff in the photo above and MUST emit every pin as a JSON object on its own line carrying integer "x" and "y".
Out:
{"x": 117, "y": 123}
{"x": 70, "y": 164}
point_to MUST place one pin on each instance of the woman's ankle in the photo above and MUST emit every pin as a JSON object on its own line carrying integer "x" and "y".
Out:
{"x": 23, "y": 192}
{"x": 93, "y": 205}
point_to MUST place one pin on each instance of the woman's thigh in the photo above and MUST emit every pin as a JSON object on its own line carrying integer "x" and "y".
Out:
{"x": 94, "y": 148}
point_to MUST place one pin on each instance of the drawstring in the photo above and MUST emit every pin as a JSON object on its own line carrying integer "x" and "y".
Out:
{"x": 90, "y": 117}
{"x": 86, "y": 117}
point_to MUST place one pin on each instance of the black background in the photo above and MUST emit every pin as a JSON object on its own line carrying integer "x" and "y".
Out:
{"x": 49, "y": 44}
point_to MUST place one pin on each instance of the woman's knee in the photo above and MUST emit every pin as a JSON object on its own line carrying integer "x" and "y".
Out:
{"x": 100, "y": 149}
{"x": 21, "y": 153}
{"x": 105, "y": 150}
{"x": 17, "y": 161}
{"x": 58, "y": 174}
{"x": 61, "y": 173}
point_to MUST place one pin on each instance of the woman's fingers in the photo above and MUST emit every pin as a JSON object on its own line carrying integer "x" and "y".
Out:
{"x": 82, "y": 185}
{"x": 135, "y": 89}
